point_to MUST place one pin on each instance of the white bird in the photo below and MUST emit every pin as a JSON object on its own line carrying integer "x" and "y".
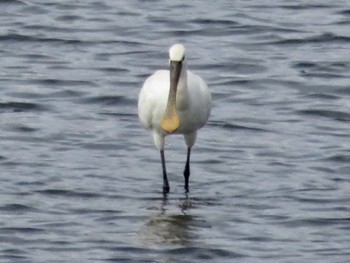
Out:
{"x": 174, "y": 101}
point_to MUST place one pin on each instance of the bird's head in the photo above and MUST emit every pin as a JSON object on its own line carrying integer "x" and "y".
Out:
{"x": 177, "y": 53}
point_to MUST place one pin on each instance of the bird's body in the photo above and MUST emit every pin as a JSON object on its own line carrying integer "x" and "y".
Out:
{"x": 174, "y": 101}
{"x": 193, "y": 109}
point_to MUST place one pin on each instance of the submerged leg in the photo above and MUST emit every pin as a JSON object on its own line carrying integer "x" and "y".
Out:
{"x": 187, "y": 169}
{"x": 166, "y": 187}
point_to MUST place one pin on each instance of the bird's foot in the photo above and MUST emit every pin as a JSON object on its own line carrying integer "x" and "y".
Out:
{"x": 187, "y": 188}
{"x": 166, "y": 189}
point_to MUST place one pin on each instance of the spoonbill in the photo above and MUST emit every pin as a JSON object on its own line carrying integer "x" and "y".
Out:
{"x": 174, "y": 101}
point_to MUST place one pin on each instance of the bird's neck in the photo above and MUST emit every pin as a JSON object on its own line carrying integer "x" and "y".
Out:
{"x": 182, "y": 94}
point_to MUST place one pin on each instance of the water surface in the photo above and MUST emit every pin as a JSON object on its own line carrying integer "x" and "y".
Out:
{"x": 81, "y": 179}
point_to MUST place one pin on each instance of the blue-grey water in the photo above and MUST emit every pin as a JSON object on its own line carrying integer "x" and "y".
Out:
{"x": 80, "y": 179}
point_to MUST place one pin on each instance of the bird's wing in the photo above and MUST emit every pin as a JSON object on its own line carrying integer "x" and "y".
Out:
{"x": 153, "y": 95}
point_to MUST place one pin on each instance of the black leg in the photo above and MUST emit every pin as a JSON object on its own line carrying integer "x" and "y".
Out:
{"x": 187, "y": 169}
{"x": 166, "y": 187}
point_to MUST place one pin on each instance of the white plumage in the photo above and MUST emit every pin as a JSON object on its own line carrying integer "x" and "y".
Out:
{"x": 174, "y": 101}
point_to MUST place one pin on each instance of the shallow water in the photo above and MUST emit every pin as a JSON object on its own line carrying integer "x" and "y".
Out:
{"x": 81, "y": 179}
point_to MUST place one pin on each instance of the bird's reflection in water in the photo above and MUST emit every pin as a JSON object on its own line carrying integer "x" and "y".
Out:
{"x": 172, "y": 228}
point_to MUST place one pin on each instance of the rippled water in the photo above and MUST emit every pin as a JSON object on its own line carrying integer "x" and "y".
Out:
{"x": 81, "y": 180}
